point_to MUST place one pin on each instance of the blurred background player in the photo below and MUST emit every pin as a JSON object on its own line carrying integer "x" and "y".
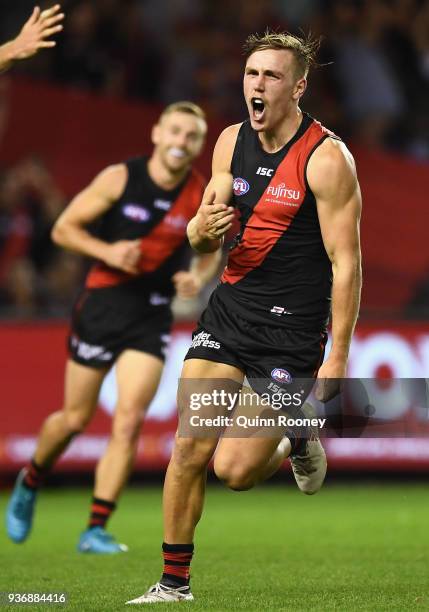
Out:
{"x": 297, "y": 254}
{"x": 123, "y": 315}
{"x": 34, "y": 36}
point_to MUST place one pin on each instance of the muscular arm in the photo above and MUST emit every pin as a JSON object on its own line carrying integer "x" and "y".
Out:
{"x": 70, "y": 230}
{"x": 332, "y": 177}
{"x": 214, "y": 217}
{"x": 33, "y": 36}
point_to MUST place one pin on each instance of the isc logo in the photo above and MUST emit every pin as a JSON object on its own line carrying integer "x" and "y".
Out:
{"x": 264, "y": 171}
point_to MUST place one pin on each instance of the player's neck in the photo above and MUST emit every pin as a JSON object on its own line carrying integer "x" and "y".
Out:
{"x": 274, "y": 140}
{"x": 163, "y": 176}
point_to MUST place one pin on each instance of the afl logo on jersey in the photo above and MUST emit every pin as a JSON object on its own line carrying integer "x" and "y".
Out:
{"x": 240, "y": 186}
{"x": 136, "y": 212}
{"x": 281, "y": 376}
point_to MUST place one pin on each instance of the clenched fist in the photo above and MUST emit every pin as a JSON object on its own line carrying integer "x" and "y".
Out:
{"x": 124, "y": 255}
{"x": 187, "y": 284}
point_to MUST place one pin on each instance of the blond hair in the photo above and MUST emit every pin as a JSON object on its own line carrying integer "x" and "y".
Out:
{"x": 304, "y": 50}
{"x": 184, "y": 106}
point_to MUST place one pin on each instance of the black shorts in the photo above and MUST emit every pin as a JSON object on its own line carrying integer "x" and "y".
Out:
{"x": 265, "y": 353}
{"x": 105, "y": 323}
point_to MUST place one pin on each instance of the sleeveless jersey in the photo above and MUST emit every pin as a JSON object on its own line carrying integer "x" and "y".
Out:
{"x": 278, "y": 270}
{"x": 159, "y": 218}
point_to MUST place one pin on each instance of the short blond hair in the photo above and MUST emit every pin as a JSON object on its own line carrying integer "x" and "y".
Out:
{"x": 304, "y": 49}
{"x": 184, "y": 106}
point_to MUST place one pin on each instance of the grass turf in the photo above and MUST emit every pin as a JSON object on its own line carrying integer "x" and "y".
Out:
{"x": 348, "y": 548}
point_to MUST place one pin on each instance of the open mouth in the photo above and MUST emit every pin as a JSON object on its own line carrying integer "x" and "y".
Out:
{"x": 258, "y": 106}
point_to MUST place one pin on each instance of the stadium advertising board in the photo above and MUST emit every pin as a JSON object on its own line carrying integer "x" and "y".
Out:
{"x": 32, "y": 363}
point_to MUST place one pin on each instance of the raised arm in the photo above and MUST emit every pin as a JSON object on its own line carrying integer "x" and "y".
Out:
{"x": 35, "y": 34}
{"x": 70, "y": 229}
{"x": 332, "y": 177}
{"x": 214, "y": 217}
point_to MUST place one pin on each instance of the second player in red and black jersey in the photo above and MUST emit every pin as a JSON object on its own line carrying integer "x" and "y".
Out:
{"x": 119, "y": 309}
{"x": 123, "y": 314}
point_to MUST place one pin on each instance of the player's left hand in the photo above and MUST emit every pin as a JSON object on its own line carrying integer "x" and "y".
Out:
{"x": 329, "y": 378}
{"x": 187, "y": 284}
{"x": 41, "y": 26}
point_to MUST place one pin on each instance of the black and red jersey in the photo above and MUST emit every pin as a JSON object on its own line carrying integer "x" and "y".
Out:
{"x": 277, "y": 269}
{"x": 159, "y": 218}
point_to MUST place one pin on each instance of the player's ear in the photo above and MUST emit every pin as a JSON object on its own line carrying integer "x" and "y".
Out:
{"x": 299, "y": 89}
{"x": 155, "y": 134}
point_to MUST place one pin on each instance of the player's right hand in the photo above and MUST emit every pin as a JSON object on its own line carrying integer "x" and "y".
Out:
{"x": 213, "y": 220}
{"x": 124, "y": 255}
{"x": 37, "y": 31}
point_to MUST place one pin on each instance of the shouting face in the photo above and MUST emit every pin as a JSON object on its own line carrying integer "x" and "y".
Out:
{"x": 272, "y": 88}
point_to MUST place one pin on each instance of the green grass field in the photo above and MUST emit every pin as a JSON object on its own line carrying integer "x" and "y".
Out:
{"x": 349, "y": 548}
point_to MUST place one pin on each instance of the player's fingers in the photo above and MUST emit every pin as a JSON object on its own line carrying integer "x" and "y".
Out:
{"x": 34, "y": 16}
{"x": 47, "y": 13}
{"x": 178, "y": 277}
{"x": 224, "y": 221}
{"x": 211, "y": 212}
{"x": 327, "y": 389}
{"x": 218, "y": 232}
{"x": 45, "y": 44}
{"x": 48, "y": 23}
{"x": 222, "y": 215}
{"x": 51, "y": 31}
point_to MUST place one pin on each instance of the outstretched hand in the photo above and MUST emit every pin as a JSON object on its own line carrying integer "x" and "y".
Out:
{"x": 37, "y": 31}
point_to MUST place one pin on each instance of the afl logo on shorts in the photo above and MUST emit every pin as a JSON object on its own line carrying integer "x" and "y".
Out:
{"x": 281, "y": 376}
{"x": 136, "y": 212}
{"x": 240, "y": 186}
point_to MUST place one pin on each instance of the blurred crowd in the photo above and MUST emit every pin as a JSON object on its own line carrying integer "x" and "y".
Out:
{"x": 373, "y": 84}
{"x": 36, "y": 279}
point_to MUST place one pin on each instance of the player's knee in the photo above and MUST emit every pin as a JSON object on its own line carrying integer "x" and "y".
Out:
{"x": 235, "y": 476}
{"x": 192, "y": 455}
{"x": 76, "y": 421}
{"x": 126, "y": 428}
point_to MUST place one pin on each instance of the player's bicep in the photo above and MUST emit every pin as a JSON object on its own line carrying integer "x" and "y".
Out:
{"x": 221, "y": 181}
{"x": 339, "y": 225}
{"x": 97, "y": 198}
{"x": 332, "y": 177}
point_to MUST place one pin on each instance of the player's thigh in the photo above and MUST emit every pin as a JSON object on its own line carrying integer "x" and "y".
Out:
{"x": 202, "y": 379}
{"x": 137, "y": 376}
{"x": 204, "y": 368}
{"x": 244, "y": 455}
{"x": 81, "y": 388}
{"x": 204, "y": 389}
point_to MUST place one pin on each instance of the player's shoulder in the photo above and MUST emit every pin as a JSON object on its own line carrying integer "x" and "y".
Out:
{"x": 224, "y": 148}
{"x": 112, "y": 179}
{"x": 228, "y": 136}
{"x": 331, "y": 159}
